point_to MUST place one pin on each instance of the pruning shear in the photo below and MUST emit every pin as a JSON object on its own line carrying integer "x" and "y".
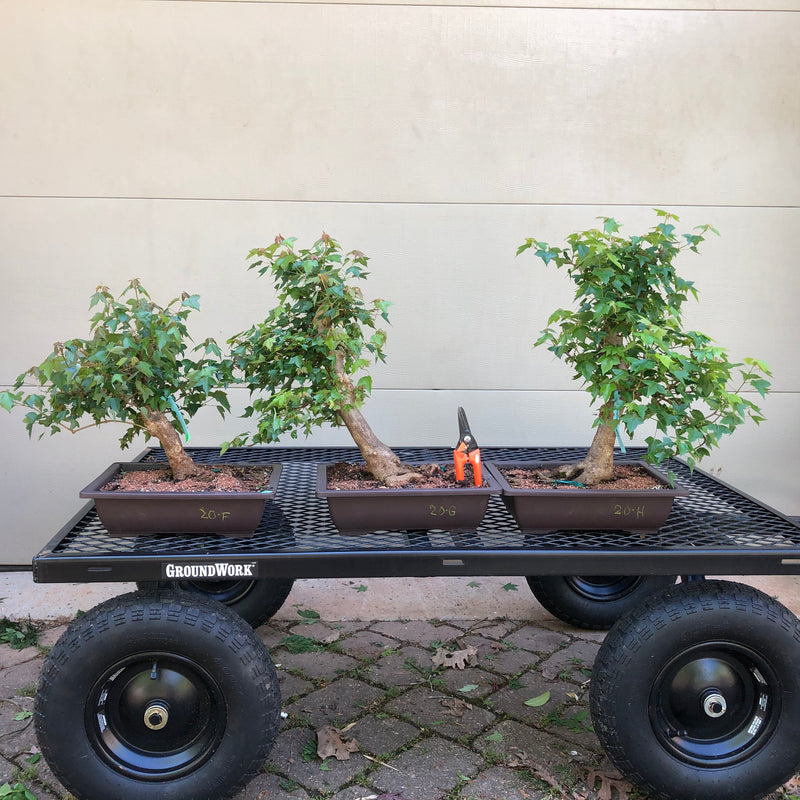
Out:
{"x": 467, "y": 450}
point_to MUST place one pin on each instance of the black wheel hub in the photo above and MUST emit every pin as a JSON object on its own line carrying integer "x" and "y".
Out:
{"x": 155, "y": 716}
{"x": 603, "y": 587}
{"x": 224, "y": 591}
{"x": 714, "y": 704}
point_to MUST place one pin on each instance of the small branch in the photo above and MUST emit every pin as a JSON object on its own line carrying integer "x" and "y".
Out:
{"x": 382, "y": 763}
{"x": 98, "y": 424}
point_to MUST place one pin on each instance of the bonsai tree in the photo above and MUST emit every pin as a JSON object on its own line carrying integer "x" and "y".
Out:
{"x": 133, "y": 370}
{"x": 310, "y": 354}
{"x": 626, "y": 342}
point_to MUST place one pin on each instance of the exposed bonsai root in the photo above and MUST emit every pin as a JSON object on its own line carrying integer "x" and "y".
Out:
{"x": 594, "y": 474}
{"x": 586, "y": 472}
{"x": 569, "y": 471}
{"x": 403, "y": 478}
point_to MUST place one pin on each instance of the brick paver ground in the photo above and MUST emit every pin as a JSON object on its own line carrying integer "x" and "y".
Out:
{"x": 424, "y": 732}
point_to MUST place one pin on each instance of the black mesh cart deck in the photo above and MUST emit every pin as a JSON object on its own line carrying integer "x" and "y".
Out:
{"x": 716, "y": 530}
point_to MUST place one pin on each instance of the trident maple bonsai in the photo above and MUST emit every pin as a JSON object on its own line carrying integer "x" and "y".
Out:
{"x": 133, "y": 370}
{"x": 309, "y": 356}
{"x": 626, "y": 342}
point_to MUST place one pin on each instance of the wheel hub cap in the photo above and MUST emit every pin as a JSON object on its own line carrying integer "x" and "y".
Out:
{"x": 156, "y": 716}
{"x": 714, "y": 704}
{"x": 604, "y": 588}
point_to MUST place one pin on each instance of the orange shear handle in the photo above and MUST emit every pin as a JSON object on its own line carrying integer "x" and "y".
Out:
{"x": 460, "y": 459}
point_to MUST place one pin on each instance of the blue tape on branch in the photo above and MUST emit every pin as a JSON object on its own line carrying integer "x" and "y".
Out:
{"x": 174, "y": 406}
{"x": 616, "y": 416}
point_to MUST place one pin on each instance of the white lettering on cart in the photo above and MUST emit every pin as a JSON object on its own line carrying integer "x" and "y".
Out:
{"x": 212, "y": 571}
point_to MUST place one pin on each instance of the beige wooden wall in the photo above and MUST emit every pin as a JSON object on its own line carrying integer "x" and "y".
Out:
{"x": 164, "y": 139}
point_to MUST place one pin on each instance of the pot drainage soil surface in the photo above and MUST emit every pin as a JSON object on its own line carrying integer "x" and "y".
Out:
{"x": 222, "y": 478}
{"x": 625, "y": 477}
{"x": 344, "y": 476}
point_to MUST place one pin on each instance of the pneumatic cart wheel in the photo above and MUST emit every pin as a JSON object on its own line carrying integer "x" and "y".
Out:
{"x": 165, "y": 695}
{"x": 255, "y": 600}
{"x": 696, "y": 695}
{"x": 594, "y": 602}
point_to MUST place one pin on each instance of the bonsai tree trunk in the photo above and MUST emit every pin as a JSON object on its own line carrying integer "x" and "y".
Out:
{"x": 158, "y": 425}
{"x": 598, "y": 466}
{"x": 379, "y": 458}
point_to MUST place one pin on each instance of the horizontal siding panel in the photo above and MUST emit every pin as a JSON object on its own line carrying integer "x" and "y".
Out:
{"x": 465, "y": 310}
{"x": 574, "y": 5}
{"x": 399, "y": 103}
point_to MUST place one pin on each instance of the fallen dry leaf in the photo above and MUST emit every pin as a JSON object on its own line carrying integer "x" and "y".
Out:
{"x": 457, "y": 659}
{"x": 522, "y": 759}
{"x": 456, "y": 706}
{"x": 608, "y": 782}
{"x": 550, "y": 671}
{"x": 516, "y": 757}
{"x": 792, "y": 786}
{"x": 331, "y": 744}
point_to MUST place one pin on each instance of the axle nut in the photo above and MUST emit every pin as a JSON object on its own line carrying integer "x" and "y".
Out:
{"x": 714, "y": 705}
{"x": 156, "y": 716}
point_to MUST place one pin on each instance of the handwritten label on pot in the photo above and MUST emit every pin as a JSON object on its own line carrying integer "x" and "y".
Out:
{"x": 212, "y": 514}
{"x": 442, "y": 511}
{"x": 210, "y": 571}
{"x": 629, "y": 511}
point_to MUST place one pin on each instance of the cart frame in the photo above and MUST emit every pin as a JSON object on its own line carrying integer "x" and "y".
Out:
{"x": 716, "y": 530}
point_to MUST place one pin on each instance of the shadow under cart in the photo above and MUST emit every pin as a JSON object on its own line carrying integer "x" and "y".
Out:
{"x": 695, "y": 693}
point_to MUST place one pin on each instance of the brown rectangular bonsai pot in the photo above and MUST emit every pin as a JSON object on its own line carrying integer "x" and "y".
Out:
{"x": 641, "y": 511}
{"x": 359, "y": 511}
{"x": 235, "y": 514}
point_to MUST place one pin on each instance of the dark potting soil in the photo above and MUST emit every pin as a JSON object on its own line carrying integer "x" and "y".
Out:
{"x": 220, "y": 478}
{"x": 345, "y": 476}
{"x": 625, "y": 477}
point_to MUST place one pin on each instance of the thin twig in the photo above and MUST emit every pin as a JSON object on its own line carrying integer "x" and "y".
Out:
{"x": 382, "y": 763}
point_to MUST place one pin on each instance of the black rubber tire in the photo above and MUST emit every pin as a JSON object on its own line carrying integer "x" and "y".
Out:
{"x": 595, "y": 602}
{"x": 696, "y": 694}
{"x": 255, "y": 601}
{"x": 138, "y": 661}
